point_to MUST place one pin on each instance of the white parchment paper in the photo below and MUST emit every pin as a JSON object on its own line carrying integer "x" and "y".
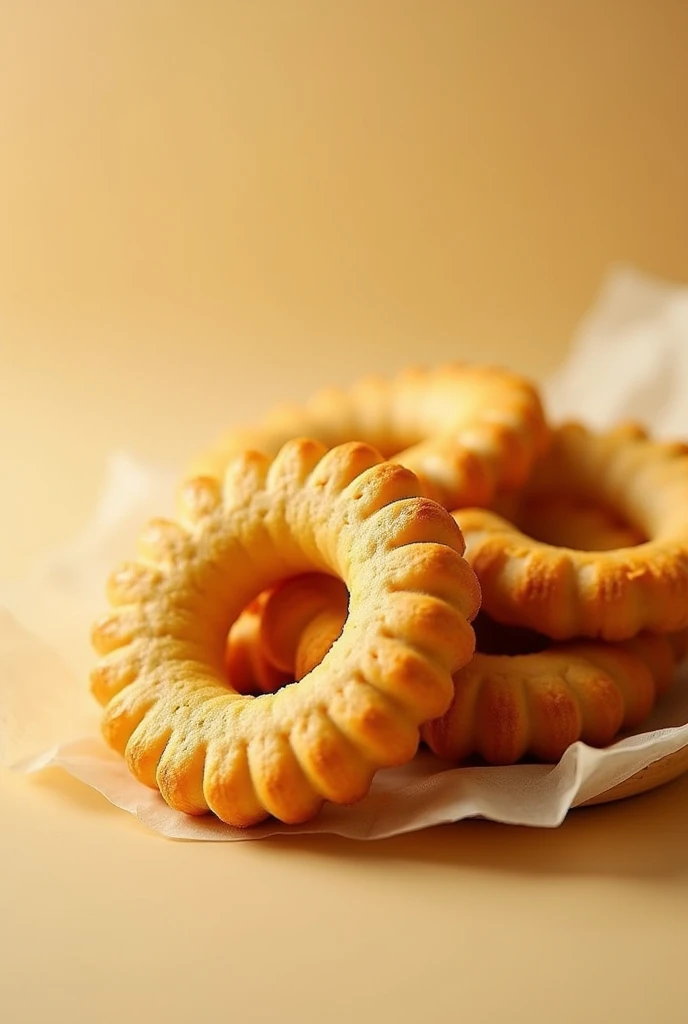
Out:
{"x": 629, "y": 360}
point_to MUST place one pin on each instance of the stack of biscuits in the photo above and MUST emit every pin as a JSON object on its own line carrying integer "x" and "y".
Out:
{"x": 420, "y": 559}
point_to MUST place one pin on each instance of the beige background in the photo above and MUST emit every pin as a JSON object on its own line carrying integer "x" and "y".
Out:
{"x": 206, "y": 206}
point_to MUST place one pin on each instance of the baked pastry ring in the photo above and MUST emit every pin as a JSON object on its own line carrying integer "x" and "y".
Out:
{"x": 465, "y": 431}
{"x": 521, "y": 695}
{"x": 169, "y": 708}
{"x": 507, "y": 707}
{"x": 286, "y": 631}
{"x": 615, "y": 594}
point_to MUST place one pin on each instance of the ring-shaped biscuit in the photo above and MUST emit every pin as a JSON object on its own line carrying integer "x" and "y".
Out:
{"x": 508, "y": 707}
{"x": 465, "y": 431}
{"x": 169, "y": 707}
{"x": 285, "y": 632}
{"x": 613, "y": 594}
{"x": 520, "y": 695}
{"x": 288, "y": 629}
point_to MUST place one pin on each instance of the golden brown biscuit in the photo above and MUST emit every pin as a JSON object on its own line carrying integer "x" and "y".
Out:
{"x": 614, "y": 594}
{"x": 293, "y": 606}
{"x": 264, "y": 663}
{"x": 507, "y": 707}
{"x": 282, "y": 635}
{"x": 522, "y": 695}
{"x": 300, "y": 621}
{"x": 465, "y": 431}
{"x": 169, "y": 707}
{"x": 245, "y": 661}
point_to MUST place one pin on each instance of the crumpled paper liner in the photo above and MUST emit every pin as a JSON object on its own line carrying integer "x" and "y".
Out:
{"x": 630, "y": 360}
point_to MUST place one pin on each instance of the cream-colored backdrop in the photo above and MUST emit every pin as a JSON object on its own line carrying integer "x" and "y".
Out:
{"x": 205, "y": 206}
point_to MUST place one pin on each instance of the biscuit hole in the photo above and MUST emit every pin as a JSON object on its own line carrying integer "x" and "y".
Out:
{"x": 295, "y": 624}
{"x": 496, "y": 638}
{"x": 577, "y": 524}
